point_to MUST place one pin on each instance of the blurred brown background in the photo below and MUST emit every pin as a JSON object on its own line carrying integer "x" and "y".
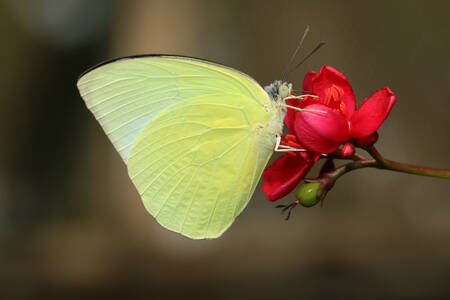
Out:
{"x": 72, "y": 225}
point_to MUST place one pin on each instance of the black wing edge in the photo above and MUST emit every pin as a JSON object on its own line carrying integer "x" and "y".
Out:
{"x": 150, "y": 55}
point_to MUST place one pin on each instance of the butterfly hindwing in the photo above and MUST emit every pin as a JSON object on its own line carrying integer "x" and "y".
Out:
{"x": 196, "y": 171}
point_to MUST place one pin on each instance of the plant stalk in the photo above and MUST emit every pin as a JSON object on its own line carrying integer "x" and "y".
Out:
{"x": 383, "y": 163}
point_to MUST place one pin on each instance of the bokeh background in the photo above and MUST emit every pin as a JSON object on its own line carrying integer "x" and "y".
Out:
{"x": 72, "y": 225}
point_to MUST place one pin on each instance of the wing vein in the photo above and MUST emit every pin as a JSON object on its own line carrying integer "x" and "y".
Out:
{"x": 167, "y": 181}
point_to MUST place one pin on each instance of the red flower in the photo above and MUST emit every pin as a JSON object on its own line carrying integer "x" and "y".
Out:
{"x": 325, "y": 132}
{"x": 322, "y": 132}
{"x": 286, "y": 172}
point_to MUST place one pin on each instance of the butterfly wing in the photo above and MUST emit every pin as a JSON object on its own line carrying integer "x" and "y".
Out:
{"x": 126, "y": 93}
{"x": 190, "y": 133}
{"x": 198, "y": 162}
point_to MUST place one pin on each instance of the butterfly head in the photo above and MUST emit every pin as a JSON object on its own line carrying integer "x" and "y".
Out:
{"x": 278, "y": 90}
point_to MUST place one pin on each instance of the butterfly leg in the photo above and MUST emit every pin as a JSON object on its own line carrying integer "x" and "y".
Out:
{"x": 277, "y": 145}
{"x": 288, "y": 208}
{"x": 300, "y": 97}
{"x": 285, "y": 148}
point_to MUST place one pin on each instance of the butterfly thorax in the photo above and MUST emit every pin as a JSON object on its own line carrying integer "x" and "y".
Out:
{"x": 277, "y": 91}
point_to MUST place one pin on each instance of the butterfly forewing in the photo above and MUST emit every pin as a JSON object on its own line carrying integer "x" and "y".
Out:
{"x": 127, "y": 93}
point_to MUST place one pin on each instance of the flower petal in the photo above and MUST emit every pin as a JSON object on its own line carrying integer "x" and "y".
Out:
{"x": 334, "y": 90}
{"x": 289, "y": 118}
{"x": 307, "y": 82}
{"x": 285, "y": 173}
{"x": 373, "y": 111}
{"x": 321, "y": 132}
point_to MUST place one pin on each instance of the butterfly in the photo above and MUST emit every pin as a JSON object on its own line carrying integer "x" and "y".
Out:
{"x": 195, "y": 135}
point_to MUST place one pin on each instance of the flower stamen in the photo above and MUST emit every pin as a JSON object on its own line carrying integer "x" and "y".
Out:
{"x": 333, "y": 93}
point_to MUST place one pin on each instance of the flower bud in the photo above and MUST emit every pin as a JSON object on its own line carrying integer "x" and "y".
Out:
{"x": 307, "y": 194}
{"x": 348, "y": 150}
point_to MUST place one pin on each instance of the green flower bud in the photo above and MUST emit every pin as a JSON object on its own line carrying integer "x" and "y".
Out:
{"x": 307, "y": 194}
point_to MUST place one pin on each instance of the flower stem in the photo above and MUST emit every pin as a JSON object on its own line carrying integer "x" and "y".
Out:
{"x": 328, "y": 179}
{"x": 357, "y": 164}
{"x": 383, "y": 163}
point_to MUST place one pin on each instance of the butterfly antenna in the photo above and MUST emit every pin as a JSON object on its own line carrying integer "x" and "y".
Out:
{"x": 307, "y": 56}
{"x": 299, "y": 45}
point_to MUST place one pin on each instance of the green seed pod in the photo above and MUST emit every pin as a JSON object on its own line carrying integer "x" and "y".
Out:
{"x": 307, "y": 194}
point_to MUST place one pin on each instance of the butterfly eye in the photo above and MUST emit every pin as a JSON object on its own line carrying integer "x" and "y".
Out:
{"x": 284, "y": 91}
